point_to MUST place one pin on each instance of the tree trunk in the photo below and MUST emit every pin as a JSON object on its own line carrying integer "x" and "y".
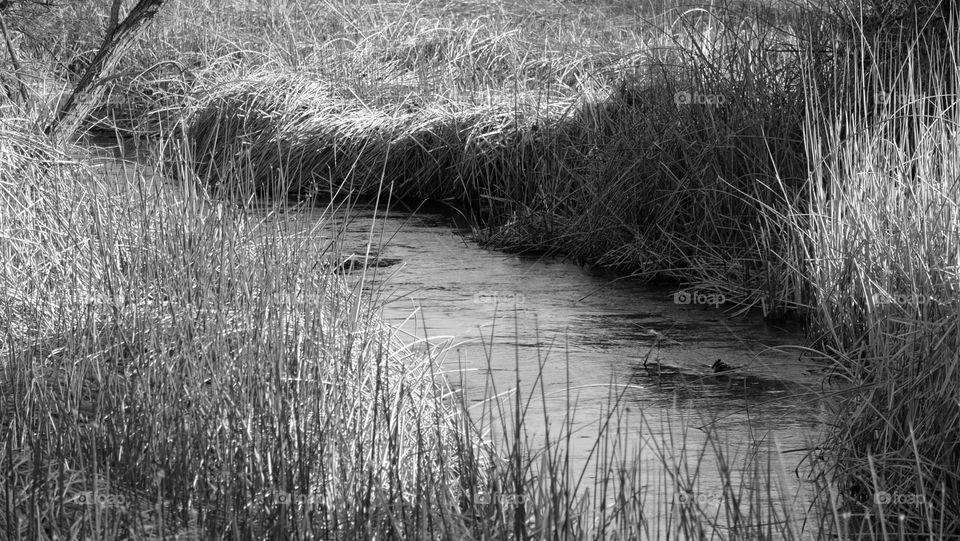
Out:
{"x": 88, "y": 92}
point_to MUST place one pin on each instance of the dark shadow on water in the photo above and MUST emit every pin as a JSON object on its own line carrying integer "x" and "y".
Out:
{"x": 725, "y": 397}
{"x": 673, "y": 382}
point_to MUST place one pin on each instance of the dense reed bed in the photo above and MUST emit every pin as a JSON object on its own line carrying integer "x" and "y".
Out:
{"x": 803, "y": 162}
{"x": 882, "y": 238}
{"x": 175, "y": 367}
{"x": 588, "y": 153}
{"x": 172, "y": 366}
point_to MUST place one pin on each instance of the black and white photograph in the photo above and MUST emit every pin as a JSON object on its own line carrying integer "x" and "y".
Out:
{"x": 479, "y": 270}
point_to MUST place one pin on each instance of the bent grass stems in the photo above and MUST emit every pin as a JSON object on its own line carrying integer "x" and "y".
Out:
{"x": 576, "y": 149}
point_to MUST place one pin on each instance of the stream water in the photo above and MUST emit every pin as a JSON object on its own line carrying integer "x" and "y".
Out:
{"x": 572, "y": 343}
{"x": 575, "y": 346}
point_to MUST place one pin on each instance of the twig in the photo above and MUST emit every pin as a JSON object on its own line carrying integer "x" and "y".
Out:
{"x": 17, "y": 70}
{"x": 86, "y": 94}
{"x": 114, "y": 15}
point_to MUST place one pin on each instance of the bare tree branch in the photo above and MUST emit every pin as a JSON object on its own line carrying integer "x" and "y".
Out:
{"x": 114, "y": 15}
{"x": 88, "y": 93}
{"x": 17, "y": 69}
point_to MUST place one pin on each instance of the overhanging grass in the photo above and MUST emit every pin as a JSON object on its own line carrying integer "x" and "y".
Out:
{"x": 707, "y": 195}
{"x": 294, "y": 136}
{"x": 608, "y": 168}
{"x": 172, "y": 367}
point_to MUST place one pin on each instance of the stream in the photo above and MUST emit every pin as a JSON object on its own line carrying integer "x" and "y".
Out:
{"x": 575, "y": 342}
{"x": 579, "y": 346}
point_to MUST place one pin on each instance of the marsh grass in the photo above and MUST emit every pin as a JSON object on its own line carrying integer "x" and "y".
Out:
{"x": 165, "y": 353}
{"x": 556, "y": 125}
{"x": 882, "y": 241}
{"x": 156, "y": 345}
{"x": 580, "y": 150}
{"x": 174, "y": 366}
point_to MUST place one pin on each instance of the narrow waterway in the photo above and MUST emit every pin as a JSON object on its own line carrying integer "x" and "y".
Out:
{"x": 574, "y": 343}
{"x": 577, "y": 347}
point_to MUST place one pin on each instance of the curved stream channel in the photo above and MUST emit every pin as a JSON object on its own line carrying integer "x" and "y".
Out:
{"x": 573, "y": 342}
{"x": 507, "y": 318}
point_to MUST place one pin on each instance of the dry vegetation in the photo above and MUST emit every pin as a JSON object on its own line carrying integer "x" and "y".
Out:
{"x": 162, "y": 345}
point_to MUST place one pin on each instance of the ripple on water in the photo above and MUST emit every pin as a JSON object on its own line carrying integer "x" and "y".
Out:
{"x": 576, "y": 334}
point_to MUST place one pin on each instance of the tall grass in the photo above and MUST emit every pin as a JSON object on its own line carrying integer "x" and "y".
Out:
{"x": 582, "y": 150}
{"x": 882, "y": 241}
{"x": 157, "y": 345}
{"x": 202, "y": 369}
{"x": 173, "y": 367}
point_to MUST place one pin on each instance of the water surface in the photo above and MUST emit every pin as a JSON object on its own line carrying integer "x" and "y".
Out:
{"x": 571, "y": 340}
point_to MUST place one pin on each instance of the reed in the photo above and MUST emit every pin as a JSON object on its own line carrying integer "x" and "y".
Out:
{"x": 881, "y": 240}
{"x": 176, "y": 366}
{"x": 586, "y": 152}
{"x": 156, "y": 345}
{"x": 170, "y": 365}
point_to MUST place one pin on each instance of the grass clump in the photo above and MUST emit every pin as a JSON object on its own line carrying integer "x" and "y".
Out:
{"x": 583, "y": 151}
{"x": 299, "y": 138}
{"x": 882, "y": 239}
{"x": 812, "y": 168}
{"x": 172, "y": 366}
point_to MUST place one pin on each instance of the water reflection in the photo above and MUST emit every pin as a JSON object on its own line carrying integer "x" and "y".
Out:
{"x": 573, "y": 340}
